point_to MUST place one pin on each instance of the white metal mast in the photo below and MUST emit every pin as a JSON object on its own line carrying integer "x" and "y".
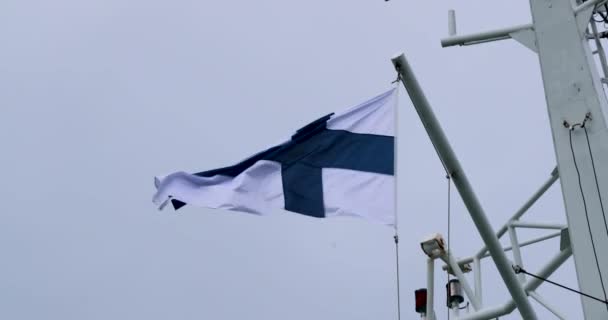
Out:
{"x": 578, "y": 113}
{"x": 573, "y": 90}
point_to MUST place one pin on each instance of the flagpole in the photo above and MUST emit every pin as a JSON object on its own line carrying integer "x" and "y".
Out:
{"x": 395, "y": 170}
{"x": 398, "y": 282}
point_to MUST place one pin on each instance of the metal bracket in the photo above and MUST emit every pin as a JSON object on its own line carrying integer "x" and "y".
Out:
{"x": 483, "y": 37}
{"x": 527, "y": 37}
{"x": 583, "y": 17}
{"x": 465, "y": 267}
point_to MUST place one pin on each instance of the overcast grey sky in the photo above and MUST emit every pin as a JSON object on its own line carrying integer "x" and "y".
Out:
{"x": 97, "y": 97}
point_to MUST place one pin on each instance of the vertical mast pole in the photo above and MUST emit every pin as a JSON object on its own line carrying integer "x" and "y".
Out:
{"x": 396, "y": 191}
{"x": 430, "y": 288}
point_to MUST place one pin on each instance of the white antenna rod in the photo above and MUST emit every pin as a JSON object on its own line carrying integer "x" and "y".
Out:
{"x": 451, "y": 23}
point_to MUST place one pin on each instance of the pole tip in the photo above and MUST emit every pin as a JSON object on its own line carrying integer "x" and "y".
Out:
{"x": 397, "y": 60}
{"x": 396, "y": 56}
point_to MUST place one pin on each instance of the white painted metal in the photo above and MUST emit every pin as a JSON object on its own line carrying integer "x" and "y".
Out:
{"x": 527, "y": 37}
{"x": 533, "y": 284}
{"x": 430, "y": 288}
{"x": 507, "y": 248}
{"x": 600, "y": 50}
{"x": 601, "y": 8}
{"x": 487, "y": 36}
{"x": 463, "y": 281}
{"x": 586, "y": 5}
{"x": 449, "y": 159}
{"x": 516, "y": 252}
{"x": 477, "y": 275}
{"x": 583, "y": 18}
{"x": 531, "y": 225}
{"x": 524, "y": 208}
{"x": 548, "y": 269}
{"x": 483, "y": 252}
{"x": 573, "y": 89}
{"x": 396, "y": 163}
{"x": 546, "y": 304}
{"x": 452, "y": 23}
{"x": 455, "y": 310}
{"x": 532, "y": 241}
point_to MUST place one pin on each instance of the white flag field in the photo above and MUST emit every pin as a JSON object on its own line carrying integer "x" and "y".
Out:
{"x": 342, "y": 164}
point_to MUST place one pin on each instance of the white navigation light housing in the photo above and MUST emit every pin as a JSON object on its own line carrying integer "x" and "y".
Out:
{"x": 433, "y": 246}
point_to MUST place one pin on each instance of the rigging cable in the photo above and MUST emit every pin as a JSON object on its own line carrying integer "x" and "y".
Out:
{"x": 597, "y": 184}
{"x": 580, "y": 184}
{"x": 519, "y": 270}
{"x": 604, "y": 18}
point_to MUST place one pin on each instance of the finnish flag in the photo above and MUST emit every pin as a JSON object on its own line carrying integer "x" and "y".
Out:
{"x": 339, "y": 165}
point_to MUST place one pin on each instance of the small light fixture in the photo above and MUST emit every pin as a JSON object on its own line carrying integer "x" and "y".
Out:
{"x": 433, "y": 246}
{"x": 420, "y": 296}
{"x": 454, "y": 293}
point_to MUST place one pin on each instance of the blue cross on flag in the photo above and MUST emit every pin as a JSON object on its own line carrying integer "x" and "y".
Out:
{"x": 339, "y": 165}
